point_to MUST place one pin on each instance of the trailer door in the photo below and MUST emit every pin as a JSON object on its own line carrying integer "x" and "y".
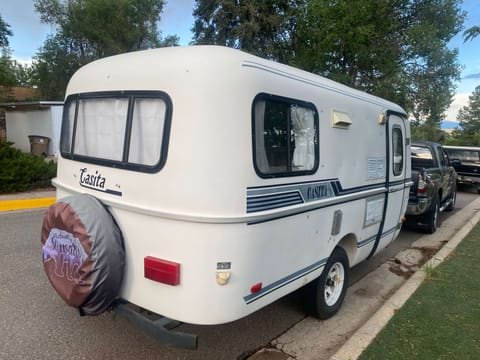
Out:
{"x": 397, "y": 183}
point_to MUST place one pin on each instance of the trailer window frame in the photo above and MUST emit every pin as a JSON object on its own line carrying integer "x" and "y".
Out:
{"x": 261, "y": 154}
{"x": 70, "y": 122}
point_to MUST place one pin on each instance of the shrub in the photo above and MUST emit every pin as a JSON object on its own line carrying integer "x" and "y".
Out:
{"x": 21, "y": 171}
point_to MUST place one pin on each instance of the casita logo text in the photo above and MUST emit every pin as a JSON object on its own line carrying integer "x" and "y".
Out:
{"x": 92, "y": 180}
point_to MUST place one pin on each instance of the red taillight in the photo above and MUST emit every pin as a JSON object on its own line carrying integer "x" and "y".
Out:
{"x": 164, "y": 271}
{"x": 422, "y": 185}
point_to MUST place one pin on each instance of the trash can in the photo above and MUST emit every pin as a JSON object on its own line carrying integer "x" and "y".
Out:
{"x": 39, "y": 144}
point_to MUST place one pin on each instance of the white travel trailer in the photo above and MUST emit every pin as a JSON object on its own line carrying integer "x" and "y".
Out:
{"x": 233, "y": 180}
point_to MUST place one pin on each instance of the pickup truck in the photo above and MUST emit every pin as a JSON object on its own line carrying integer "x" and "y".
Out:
{"x": 434, "y": 185}
{"x": 466, "y": 161}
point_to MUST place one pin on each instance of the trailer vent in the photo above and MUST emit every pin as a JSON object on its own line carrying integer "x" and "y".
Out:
{"x": 340, "y": 119}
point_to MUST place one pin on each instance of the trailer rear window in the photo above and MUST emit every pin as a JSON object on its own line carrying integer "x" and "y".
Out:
{"x": 285, "y": 136}
{"x": 125, "y": 129}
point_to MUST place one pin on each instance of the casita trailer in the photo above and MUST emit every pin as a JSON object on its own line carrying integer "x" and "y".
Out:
{"x": 203, "y": 183}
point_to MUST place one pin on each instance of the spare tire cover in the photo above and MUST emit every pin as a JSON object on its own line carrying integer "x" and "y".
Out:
{"x": 83, "y": 253}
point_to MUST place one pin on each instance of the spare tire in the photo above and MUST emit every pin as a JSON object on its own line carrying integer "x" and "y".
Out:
{"x": 83, "y": 253}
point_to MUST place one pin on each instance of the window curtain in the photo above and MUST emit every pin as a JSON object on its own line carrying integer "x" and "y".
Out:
{"x": 261, "y": 155}
{"x": 100, "y": 129}
{"x": 147, "y": 131}
{"x": 303, "y": 126}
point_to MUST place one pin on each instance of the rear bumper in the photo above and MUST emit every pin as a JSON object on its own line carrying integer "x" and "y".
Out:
{"x": 418, "y": 206}
{"x": 158, "y": 327}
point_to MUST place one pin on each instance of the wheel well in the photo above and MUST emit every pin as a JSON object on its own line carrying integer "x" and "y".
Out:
{"x": 349, "y": 244}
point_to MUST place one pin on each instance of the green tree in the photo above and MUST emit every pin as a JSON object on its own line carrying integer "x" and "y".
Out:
{"x": 91, "y": 29}
{"x": 471, "y": 33}
{"x": 261, "y": 27}
{"x": 391, "y": 48}
{"x": 469, "y": 119}
{"x": 4, "y": 33}
{"x": 7, "y": 71}
{"x": 395, "y": 49}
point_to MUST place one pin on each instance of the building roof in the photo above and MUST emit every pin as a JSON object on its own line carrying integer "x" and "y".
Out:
{"x": 30, "y": 105}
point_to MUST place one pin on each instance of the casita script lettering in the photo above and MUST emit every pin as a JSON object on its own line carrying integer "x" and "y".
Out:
{"x": 92, "y": 180}
{"x": 317, "y": 192}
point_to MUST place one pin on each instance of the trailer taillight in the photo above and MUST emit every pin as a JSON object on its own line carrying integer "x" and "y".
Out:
{"x": 164, "y": 271}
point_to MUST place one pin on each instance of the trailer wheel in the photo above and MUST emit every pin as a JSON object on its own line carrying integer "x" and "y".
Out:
{"x": 83, "y": 253}
{"x": 324, "y": 296}
{"x": 431, "y": 217}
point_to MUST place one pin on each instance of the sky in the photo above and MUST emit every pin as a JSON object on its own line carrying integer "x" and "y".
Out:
{"x": 29, "y": 35}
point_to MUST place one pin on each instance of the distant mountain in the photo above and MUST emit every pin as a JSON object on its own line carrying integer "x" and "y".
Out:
{"x": 446, "y": 125}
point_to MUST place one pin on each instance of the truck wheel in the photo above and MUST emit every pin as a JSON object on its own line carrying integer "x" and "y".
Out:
{"x": 324, "y": 296}
{"x": 453, "y": 198}
{"x": 432, "y": 216}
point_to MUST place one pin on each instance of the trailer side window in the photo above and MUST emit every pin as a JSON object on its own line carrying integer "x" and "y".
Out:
{"x": 397, "y": 140}
{"x": 285, "y": 133}
{"x": 125, "y": 130}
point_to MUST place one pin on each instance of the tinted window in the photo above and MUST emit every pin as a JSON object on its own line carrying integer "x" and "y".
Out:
{"x": 463, "y": 155}
{"x": 421, "y": 157}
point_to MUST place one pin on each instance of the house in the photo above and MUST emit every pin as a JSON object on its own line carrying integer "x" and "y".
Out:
{"x": 22, "y": 118}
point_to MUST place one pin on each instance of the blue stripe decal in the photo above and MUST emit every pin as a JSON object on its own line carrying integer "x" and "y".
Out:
{"x": 282, "y": 282}
{"x": 366, "y": 241}
{"x": 372, "y": 238}
{"x": 314, "y": 82}
{"x": 388, "y": 232}
{"x": 273, "y": 201}
{"x": 279, "y": 196}
{"x": 298, "y": 274}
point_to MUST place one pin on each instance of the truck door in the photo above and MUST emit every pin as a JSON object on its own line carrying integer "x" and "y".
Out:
{"x": 397, "y": 181}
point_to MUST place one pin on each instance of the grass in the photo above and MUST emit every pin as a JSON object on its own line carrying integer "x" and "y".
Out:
{"x": 442, "y": 319}
{"x": 431, "y": 272}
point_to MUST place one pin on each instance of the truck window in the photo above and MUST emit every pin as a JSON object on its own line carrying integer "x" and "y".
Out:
{"x": 444, "y": 161}
{"x": 125, "y": 130}
{"x": 464, "y": 155}
{"x": 285, "y": 133}
{"x": 421, "y": 157}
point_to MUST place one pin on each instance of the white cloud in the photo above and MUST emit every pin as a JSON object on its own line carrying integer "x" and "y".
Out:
{"x": 459, "y": 100}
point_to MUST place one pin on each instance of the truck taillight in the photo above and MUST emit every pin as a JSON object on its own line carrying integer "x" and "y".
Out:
{"x": 422, "y": 185}
{"x": 163, "y": 271}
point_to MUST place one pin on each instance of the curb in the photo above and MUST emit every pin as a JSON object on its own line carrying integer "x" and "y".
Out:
{"x": 361, "y": 339}
{"x": 22, "y": 204}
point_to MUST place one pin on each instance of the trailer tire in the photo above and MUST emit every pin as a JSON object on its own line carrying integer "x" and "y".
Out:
{"x": 324, "y": 295}
{"x": 83, "y": 253}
